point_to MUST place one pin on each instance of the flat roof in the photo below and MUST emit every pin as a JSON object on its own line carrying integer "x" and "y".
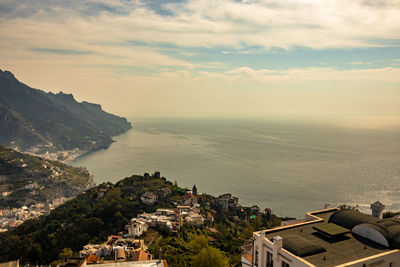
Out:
{"x": 331, "y": 230}
{"x": 150, "y": 263}
{"x": 347, "y": 248}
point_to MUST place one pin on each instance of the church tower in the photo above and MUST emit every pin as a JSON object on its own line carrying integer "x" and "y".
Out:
{"x": 194, "y": 190}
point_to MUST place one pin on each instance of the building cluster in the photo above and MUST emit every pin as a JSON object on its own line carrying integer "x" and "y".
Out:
{"x": 83, "y": 262}
{"x": 227, "y": 206}
{"x": 11, "y": 218}
{"x": 116, "y": 248}
{"x": 329, "y": 237}
{"x": 48, "y": 152}
{"x": 187, "y": 210}
{"x": 191, "y": 198}
{"x": 227, "y": 202}
{"x": 159, "y": 195}
{"x": 191, "y": 215}
{"x": 165, "y": 219}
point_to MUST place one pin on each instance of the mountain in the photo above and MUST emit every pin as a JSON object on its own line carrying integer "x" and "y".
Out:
{"x": 29, "y": 179}
{"x": 39, "y": 122}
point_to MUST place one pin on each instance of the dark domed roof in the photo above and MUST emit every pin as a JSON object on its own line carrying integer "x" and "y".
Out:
{"x": 300, "y": 246}
{"x": 350, "y": 218}
{"x": 389, "y": 228}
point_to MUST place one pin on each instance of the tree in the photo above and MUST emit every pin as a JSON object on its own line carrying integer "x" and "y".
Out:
{"x": 210, "y": 256}
{"x": 198, "y": 243}
{"x": 348, "y": 207}
{"x": 390, "y": 214}
{"x": 34, "y": 252}
{"x": 65, "y": 254}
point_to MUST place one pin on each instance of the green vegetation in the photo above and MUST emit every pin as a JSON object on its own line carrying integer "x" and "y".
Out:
{"x": 89, "y": 218}
{"x": 390, "y": 214}
{"x": 32, "y": 179}
{"x": 184, "y": 248}
{"x": 84, "y": 219}
{"x": 347, "y": 207}
{"x": 209, "y": 256}
{"x": 52, "y": 122}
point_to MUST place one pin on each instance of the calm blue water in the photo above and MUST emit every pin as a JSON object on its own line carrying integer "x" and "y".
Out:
{"x": 290, "y": 167}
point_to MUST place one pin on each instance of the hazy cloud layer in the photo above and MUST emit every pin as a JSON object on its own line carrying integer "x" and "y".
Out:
{"x": 209, "y": 57}
{"x": 316, "y": 24}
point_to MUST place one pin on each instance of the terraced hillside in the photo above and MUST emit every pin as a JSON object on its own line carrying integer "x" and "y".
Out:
{"x": 26, "y": 179}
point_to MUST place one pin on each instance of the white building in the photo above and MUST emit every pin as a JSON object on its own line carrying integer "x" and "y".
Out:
{"x": 148, "y": 198}
{"x": 162, "y": 218}
{"x": 165, "y": 212}
{"x": 195, "y": 219}
{"x": 137, "y": 227}
{"x": 329, "y": 237}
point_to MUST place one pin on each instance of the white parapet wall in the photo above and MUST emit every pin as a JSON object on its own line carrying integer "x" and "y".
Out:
{"x": 263, "y": 246}
{"x": 389, "y": 259}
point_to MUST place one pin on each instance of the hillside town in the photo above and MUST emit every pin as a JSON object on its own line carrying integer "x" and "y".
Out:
{"x": 116, "y": 248}
{"x": 11, "y": 218}
{"x": 162, "y": 211}
{"x": 170, "y": 219}
{"x": 191, "y": 209}
{"x": 49, "y": 152}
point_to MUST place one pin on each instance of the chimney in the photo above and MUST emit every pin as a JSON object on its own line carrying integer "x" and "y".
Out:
{"x": 327, "y": 206}
{"x": 377, "y": 209}
{"x": 277, "y": 245}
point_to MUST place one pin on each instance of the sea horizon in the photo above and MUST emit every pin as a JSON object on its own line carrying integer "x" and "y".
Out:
{"x": 291, "y": 167}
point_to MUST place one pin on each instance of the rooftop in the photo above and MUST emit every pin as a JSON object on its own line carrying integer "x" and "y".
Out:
{"x": 150, "y": 263}
{"x": 337, "y": 247}
{"x": 141, "y": 256}
{"x": 74, "y": 262}
{"x": 331, "y": 230}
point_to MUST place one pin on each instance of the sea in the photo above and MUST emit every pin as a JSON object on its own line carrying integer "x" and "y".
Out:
{"x": 291, "y": 167}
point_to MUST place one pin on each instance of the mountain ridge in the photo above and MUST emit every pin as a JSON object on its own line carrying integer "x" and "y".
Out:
{"x": 32, "y": 120}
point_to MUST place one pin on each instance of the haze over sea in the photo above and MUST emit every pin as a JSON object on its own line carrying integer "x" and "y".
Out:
{"x": 288, "y": 166}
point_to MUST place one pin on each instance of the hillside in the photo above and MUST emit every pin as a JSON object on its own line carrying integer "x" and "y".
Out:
{"x": 29, "y": 179}
{"x": 39, "y": 122}
{"x": 91, "y": 217}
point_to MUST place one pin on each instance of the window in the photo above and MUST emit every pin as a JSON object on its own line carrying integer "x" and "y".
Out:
{"x": 270, "y": 261}
{"x": 284, "y": 264}
{"x": 256, "y": 259}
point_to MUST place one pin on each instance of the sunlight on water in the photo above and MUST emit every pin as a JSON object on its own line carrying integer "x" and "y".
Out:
{"x": 289, "y": 167}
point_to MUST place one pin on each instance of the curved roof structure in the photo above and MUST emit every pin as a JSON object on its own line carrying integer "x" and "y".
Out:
{"x": 350, "y": 218}
{"x": 300, "y": 246}
{"x": 382, "y": 231}
{"x": 372, "y": 232}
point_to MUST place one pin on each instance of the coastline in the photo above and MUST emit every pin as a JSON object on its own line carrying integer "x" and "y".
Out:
{"x": 72, "y": 157}
{"x": 275, "y": 174}
{"x": 67, "y": 156}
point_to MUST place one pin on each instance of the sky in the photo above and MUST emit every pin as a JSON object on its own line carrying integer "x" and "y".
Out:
{"x": 334, "y": 59}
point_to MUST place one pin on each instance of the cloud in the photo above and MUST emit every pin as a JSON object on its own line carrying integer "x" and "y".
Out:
{"x": 60, "y": 51}
{"x": 177, "y": 55}
{"x": 207, "y": 23}
{"x": 359, "y": 63}
{"x": 247, "y": 75}
{"x": 356, "y": 63}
